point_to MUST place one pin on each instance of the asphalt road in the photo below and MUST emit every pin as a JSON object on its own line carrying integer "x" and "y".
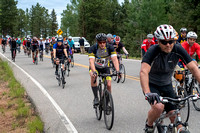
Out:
{"x": 76, "y": 99}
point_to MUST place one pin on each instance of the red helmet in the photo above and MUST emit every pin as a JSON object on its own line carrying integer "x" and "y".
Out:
{"x": 117, "y": 39}
{"x": 53, "y": 38}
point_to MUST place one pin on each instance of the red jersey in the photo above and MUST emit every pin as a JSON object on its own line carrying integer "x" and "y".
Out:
{"x": 191, "y": 49}
{"x": 146, "y": 44}
{"x": 24, "y": 42}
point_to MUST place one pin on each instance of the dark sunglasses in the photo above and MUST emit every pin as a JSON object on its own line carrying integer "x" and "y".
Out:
{"x": 166, "y": 42}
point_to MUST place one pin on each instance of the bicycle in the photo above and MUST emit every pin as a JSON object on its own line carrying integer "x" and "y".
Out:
{"x": 106, "y": 101}
{"x": 189, "y": 86}
{"x": 18, "y": 48}
{"x": 159, "y": 127}
{"x": 29, "y": 52}
{"x": 72, "y": 60}
{"x": 47, "y": 47}
{"x": 121, "y": 69}
{"x": 61, "y": 75}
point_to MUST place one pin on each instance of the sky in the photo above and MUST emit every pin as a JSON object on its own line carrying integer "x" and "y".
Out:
{"x": 57, "y": 5}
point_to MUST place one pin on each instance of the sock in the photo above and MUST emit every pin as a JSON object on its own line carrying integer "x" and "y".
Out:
{"x": 95, "y": 89}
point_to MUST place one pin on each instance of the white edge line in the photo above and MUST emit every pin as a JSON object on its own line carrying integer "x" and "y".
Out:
{"x": 69, "y": 126}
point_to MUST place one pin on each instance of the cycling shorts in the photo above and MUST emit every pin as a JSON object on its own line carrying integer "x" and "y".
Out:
{"x": 61, "y": 58}
{"x": 34, "y": 48}
{"x": 103, "y": 70}
{"x": 164, "y": 91}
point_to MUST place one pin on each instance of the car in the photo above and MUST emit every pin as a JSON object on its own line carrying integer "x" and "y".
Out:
{"x": 77, "y": 45}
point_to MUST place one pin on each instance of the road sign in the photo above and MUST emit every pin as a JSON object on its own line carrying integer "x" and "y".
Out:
{"x": 59, "y": 32}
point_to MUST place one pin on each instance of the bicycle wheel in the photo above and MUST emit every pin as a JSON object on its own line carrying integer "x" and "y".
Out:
{"x": 108, "y": 110}
{"x": 196, "y": 90}
{"x": 123, "y": 73}
{"x": 98, "y": 108}
{"x": 72, "y": 61}
{"x": 63, "y": 79}
{"x": 185, "y": 105}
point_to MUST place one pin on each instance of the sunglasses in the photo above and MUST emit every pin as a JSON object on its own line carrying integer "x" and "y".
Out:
{"x": 166, "y": 42}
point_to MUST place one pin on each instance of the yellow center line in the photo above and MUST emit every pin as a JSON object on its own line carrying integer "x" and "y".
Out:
{"x": 81, "y": 65}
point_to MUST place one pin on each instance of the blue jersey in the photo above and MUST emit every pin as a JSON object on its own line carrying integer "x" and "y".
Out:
{"x": 71, "y": 43}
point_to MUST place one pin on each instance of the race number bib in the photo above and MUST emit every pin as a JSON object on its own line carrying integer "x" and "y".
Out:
{"x": 101, "y": 62}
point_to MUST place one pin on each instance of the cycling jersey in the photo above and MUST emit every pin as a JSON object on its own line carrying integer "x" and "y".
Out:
{"x": 18, "y": 42}
{"x": 71, "y": 43}
{"x": 163, "y": 64}
{"x": 155, "y": 40}
{"x": 41, "y": 45}
{"x": 191, "y": 49}
{"x": 13, "y": 44}
{"x": 59, "y": 50}
{"x": 101, "y": 56}
{"x": 28, "y": 44}
{"x": 35, "y": 45}
{"x": 181, "y": 39}
{"x": 118, "y": 47}
{"x": 24, "y": 42}
{"x": 3, "y": 42}
{"x": 146, "y": 44}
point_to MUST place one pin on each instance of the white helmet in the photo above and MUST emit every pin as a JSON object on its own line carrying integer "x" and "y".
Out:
{"x": 41, "y": 38}
{"x": 192, "y": 34}
{"x": 150, "y": 36}
{"x": 18, "y": 38}
{"x": 165, "y": 32}
{"x": 109, "y": 35}
{"x": 70, "y": 37}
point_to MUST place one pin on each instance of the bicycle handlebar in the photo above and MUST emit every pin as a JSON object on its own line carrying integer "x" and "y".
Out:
{"x": 169, "y": 99}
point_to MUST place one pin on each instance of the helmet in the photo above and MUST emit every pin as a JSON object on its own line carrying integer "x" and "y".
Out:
{"x": 176, "y": 37}
{"x": 47, "y": 38}
{"x": 59, "y": 39}
{"x": 41, "y": 38}
{"x": 109, "y": 35}
{"x": 18, "y": 38}
{"x": 53, "y": 38}
{"x": 117, "y": 39}
{"x": 70, "y": 37}
{"x": 165, "y": 32}
{"x": 183, "y": 30}
{"x": 150, "y": 36}
{"x": 101, "y": 37}
{"x": 35, "y": 38}
{"x": 192, "y": 34}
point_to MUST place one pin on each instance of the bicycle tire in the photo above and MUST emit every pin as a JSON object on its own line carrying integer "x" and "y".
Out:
{"x": 68, "y": 69}
{"x": 108, "y": 112}
{"x": 63, "y": 78}
{"x": 196, "y": 90}
{"x": 72, "y": 61}
{"x": 123, "y": 73}
{"x": 98, "y": 108}
{"x": 185, "y": 106}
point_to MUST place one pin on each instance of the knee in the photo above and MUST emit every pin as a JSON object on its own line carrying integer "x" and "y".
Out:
{"x": 158, "y": 108}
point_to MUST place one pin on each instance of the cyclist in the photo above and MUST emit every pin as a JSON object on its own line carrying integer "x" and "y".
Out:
{"x": 35, "y": 46}
{"x": 18, "y": 41}
{"x": 3, "y": 43}
{"x": 71, "y": 44}
{"x": 24, "y": 45}
{"x": 59, "y": 52}
{"x": 53, "y": 41}
{"x": 47, "y": 44}
{"x": 28, "y": 45}
{"x": 109, "y": 39}
{"x": 41, "y": 45}
{"x": 157, "y": 67}
{"x": 13, "y": 47}
{"x": 147, "y": 43}
{"x": 182, "y": 38}
{"x": 191, "y": 46}
{"x": 118, "y": 46}
{"x": 99, "y": 55}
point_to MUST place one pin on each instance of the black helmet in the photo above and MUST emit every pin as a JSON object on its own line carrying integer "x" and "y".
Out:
{"x": 101, "y": 37}
{"x": 59, "y": 39}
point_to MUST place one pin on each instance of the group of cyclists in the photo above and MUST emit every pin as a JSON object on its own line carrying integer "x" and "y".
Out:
{"x": 161, "y": 52}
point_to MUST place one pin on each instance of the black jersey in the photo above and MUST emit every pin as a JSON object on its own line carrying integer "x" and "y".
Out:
{"x": 13, "y": 44}
{"x": 163, "y": 64}
{"x": 118, "y": 47}
{"x": 101, "y": 56}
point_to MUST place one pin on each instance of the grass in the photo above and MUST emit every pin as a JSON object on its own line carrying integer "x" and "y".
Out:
{"x": 16, "y": 102}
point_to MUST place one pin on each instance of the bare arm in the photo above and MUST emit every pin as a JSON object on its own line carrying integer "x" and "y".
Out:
{"x": 92, "y": 66}
{"x": 65, "y": 51}
{"x": 54, "y": 53}
{"x": 144, "y": 77}
{"x": 194, "y": 69}
{"x": 115, "y": 62}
